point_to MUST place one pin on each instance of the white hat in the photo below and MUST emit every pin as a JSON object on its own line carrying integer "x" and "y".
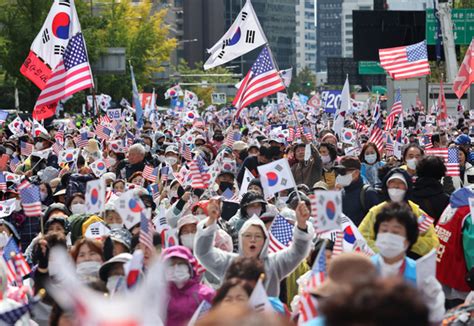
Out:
{"x": 398, "y": 176}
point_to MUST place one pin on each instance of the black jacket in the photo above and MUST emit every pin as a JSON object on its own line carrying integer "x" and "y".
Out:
{"x": 429, "y": 194}
{"x": 354, "y": 204}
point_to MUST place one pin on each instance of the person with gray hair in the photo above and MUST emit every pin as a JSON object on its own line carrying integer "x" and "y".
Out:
{"x": 135, "y": 162}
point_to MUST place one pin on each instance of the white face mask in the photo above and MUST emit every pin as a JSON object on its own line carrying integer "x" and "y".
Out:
{"x": 390, "y": 245}
{"x": 147, "y": 148}
{"x": 201, "y": 217}
{"x": 43, "y": 195}
{"x": 8, "y": 151}
{"x": 39, "y": 146}
{"x": 3, "y": 239}
{"x": 396, "y": 195}
{"x": 78, "y": 208}
{"x": 411, "y": 163}
{"x": 344, "y": 180}
{"x": 326, "y": 159}
{"x": 178, "y": 274}
{"x": 187, "y": 240}
{"x": 171, "y": 160}
{"x": 370, "y": 158}
{"x": 115, "y": 283}
{"x": 115, "y": 226}
{"x": 254, "y": 211}
{"x": 88, "y": 268}
{"x": 172, "y": 194}
{"x": 112, "y": 161}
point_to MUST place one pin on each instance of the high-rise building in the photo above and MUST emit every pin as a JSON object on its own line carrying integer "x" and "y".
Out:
{"x": 346, "y": 24}
{"x": 328, "y": 31}
{"x": 305, "y": 35}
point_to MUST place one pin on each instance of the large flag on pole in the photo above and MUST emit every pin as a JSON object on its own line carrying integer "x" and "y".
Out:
{"x": 243, "y": 36}
{"x": 442, "y": 109}
{"x": 136, "y": 100}
{"x": 406, "y": 61}
{"x": 343, "y": 109}
{"x": 48, "y": 48}
{"x": 395, "y": 112}
{"x": 262, "y": 80}
{"x": 465, "y": 75}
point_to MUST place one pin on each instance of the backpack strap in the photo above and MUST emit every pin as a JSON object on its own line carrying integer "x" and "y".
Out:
{"x": 362, "y": 196}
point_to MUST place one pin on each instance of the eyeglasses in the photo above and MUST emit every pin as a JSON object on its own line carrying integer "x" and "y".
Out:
{"x": 249, "y": 236}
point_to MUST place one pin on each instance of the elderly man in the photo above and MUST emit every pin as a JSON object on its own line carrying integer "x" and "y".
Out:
{"x": 134, "y": 163}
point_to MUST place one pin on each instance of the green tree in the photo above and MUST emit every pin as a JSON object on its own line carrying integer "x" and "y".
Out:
{"x": 304, "y": 82}
{"x": 204, "y": 94}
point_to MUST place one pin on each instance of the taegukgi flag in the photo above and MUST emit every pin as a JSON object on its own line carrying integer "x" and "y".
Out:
{"x": 243, "y": 36}
{"x": 276, "y": 176}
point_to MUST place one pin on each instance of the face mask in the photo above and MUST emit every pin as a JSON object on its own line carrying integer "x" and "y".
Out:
{"x": 396, "y": 195}
{"x": 201, "y": 217}
{"x": 412, "y": 163}
{"x": 39, "y": 146}
{"x": 390, "y": 245}
{"x": 254, "y": 211}
{"x": 88, "y": 268}
{"x": 115, "y": 226}
{"x": 171, "y": 160}
{"x": 172, "y": 194}
{"x": 225, "y": 185}
{"x": 43, "y": 195}
{"x": 147, "y": 148}
{"x": 161, "y": 158}
{"x": 178, "y": 274}
{"x": 370, "y": 158}
{"x": 344, "y": 180}
{"x": 326, "y": 159}
{"x": 112, "y": 161}
{"x": 17, "y": 205}
{"x": 3, "y": 239}
{"x": 78, "y": 208}
{"x": 9, "y": 151}
{"x": 115, "y": 283}
{"x": 187, "y": 240}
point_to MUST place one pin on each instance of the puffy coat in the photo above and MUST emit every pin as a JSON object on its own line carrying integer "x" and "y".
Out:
{"x": 184, "y": 302}
{"x": 428, "y": 193}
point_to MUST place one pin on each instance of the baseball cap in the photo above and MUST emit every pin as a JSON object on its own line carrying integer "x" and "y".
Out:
{"x": 105, "y": 268}
{"x": 398, "y": 176}
{"x": 462, "y": 140}
{"x": 239, "y": 146}
{"x": 347, "y": 163}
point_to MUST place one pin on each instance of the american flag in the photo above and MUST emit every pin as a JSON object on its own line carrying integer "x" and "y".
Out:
{"x": 17, "y": 267}
{"x": 376, "y": 135}
{"x": 186, "y": 152}
{"x": 425, "y": 141}
{"x": 389, "y": 145}
{"x": 262, "y": 80}
{"x": 406, "y": 61}
{"x": 57, "y": 147}
{"x": 396, "y": 110}
{"x": 82, "y": 139}
{"x": 103, "y": 132}
{"x": 198, "y": 173}
{"x": 3, "y": 182}
{"x": 450, "y": 157}
{"x": 150, "y": 173}
{"x": 305, "y": 131}
{"x": 71, "y": 75}
{"x": 130, "y": 138}
{"x": 291, "y": 134}
{"x": 231, "y": 137}
{"x": 104, "y": 119}
{"x": 307, "y": 307}
{"x": 361, "y": 127}
{"x": 424, "y": 223}
{"x": 146, "y": 232}
{"x": 165, "y": 171}
{"x": 59, "y": 135}
{"x": 26, "y": 148}
{"x": 155, "y": 191}
{"x": 14, "y": 161}
{"x": 318, "y": 272}
{"x": 281, "y": 234}
{"x": 338, "y": 246}
{"x": 30, "y": 198}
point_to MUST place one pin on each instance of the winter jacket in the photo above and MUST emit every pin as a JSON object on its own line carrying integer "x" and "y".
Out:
{"x": 426, "y": 241}
{"x": 352, "y": 198}
{"x": 277, "y": 265}
{"x": 428, "y": 193}
{"x": 183, "y": 302}
{"x": 125, "y": 169}
{"x": 176, "y": 211}
{"x": 251, "y": 164}
{"x": 308, "y": 172}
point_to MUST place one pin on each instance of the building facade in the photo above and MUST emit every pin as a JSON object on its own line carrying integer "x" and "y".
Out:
{"x": 328, "y": 31}
{"x": 346, "y": 24}
{"x": 305, "y": 35}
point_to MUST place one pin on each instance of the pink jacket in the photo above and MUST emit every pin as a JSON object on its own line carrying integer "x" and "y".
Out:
{"x": 184, "y": 302}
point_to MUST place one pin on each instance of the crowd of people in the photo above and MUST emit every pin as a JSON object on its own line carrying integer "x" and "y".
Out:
{"x": 206, "y": 219}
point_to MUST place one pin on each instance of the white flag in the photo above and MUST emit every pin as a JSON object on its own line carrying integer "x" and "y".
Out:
{"x": 248, "y": 176}
{"x": 259, "y": 299}
{"x": 190, "y": 99}
{"x": 286, "y": 76}
{"x": 17, "y": 127}
{"x": 349, "y": 136}
{"x": 7, "y": 207}
{"x": 98, "y": 167}
{"x": 276, "y": 176}
{"x": 96, "y": 230}
{"x": 95, "y": 196}
{"x": 327, "y": 206}
{"x": 42, "y": 154}
{"x": 282, "y": 98}
{"x": 243, "y": 36}
{"x": 340, "y": 116}
{"x": 129, "y": 206}
{"x": 68, "y": 155}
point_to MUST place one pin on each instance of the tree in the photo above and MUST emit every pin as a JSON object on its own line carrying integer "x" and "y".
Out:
{"x": 304, "y": 82}
{"x": 204, "y": 93}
